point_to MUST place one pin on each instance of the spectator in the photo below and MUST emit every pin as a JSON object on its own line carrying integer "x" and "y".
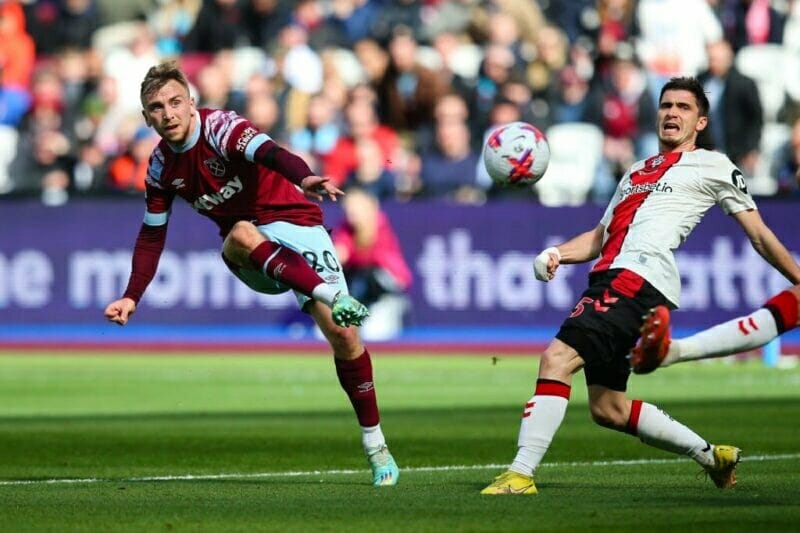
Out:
{"x": 450, "y": 106}
{"x": 356, "y": 18}
{"x": 373, "y": 262}
{"x": 408, "y": 91}
{"x": 735, "y": 116}
{"x": 747, "y": 22}
{"x": 323, "y": 32}
{"x": 552, "y": 55}
{"x": 301, "y": 69}
{"x": 321, "y": 132}
{"x": 371, "y": 173}
{"x": 615, "y": 27}
{"x": 448, "y": 168}
{"x": 218, "y": 27}
{"x": 263, "y": 111}
{"x": 127, "y": 171}
{"x": 17, "y": 48}
{"x": 628, "y": 116}
{"x": 576, "y": 99}
{"x": 46, "y": 168}
{"x": 373, "y": 59}
{"x": 171, "y": 22}
{"x": 264, "y": 19}
{"x": 406, "y": 14}
{"x": 214, "y": 88}
{"x": 495, "y": 70}
{"x": 78, "y": 20}
{"x": 362, "y": 123}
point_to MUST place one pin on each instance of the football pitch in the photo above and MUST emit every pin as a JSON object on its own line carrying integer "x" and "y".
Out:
{"x": 132, "y": 442}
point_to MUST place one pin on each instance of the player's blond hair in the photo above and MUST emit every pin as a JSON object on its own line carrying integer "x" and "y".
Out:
{"x": 158, "y": 76}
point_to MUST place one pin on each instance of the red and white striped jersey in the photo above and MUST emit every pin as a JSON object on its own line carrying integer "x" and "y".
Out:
{"x": 658, "y": 203}
{"x": 214, "y": 171}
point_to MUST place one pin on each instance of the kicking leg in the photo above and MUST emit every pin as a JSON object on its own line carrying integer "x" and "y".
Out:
{"x": 354, "y": 369}
{"x": 246, "y": 247}
{"x": 656, "y": 348}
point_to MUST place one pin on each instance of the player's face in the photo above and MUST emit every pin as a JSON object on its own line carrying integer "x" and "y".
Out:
{"x": 170, "y": 111}
{"x": 678, "y": 121}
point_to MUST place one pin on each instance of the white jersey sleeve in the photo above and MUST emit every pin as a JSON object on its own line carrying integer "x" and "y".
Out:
{"x": 726, "y": 183}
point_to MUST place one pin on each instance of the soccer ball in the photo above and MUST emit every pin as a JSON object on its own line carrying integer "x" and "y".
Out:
{"x": 516, "y": 154}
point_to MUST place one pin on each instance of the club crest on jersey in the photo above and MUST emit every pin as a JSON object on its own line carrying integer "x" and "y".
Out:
{"x": 216, "y": 166}
{"x": 656, "y": 161}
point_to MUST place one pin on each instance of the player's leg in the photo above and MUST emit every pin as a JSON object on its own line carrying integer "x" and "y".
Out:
{"x": 779, "y": 314}
{"x": 541, "y": 418}
{"x": 354, "y": 369}
{"x": 246, "y": 246}
{"x": 612, "y": 409}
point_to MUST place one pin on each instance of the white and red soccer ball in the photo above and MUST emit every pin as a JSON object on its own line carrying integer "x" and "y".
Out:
{"x": 516, "y": 154}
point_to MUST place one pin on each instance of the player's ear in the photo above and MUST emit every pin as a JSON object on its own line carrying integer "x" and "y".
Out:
{"x": 702, "y": 123}
{"x": 146, "y": 118}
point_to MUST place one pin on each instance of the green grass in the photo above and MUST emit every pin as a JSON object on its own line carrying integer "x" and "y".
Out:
{"x": 253, "y": 430}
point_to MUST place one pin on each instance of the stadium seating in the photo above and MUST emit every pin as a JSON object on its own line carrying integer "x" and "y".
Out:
{"x": 576, "y": 151}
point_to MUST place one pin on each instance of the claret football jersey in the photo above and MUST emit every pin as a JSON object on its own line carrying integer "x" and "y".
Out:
{"x": 214, "y": 172}
{"x": 658, "y": 203}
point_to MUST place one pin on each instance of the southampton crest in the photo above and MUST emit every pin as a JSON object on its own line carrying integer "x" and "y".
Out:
{"x": 657, "y": 161}
{"x": 215, "y": 166}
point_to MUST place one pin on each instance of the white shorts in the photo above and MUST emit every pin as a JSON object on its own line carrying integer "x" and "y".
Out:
{"x": 312, "y": 242}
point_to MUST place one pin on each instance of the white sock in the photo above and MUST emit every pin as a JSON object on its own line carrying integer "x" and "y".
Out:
{"x": 325, "y": 293}
{"x": 541, "y": 419}
{"x": 372, "y": 438}
{"x": 656, "y": 428}
{"x": 734, "y": 336}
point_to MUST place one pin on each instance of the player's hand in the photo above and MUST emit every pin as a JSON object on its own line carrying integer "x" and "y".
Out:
{"x": 317, "y": 187}
{"x": 546, "y": 263}
{"x": 119, "y": 311}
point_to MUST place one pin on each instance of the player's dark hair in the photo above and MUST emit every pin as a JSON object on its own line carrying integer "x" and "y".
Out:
{"x": 692, "y": 85}
{"x": 158, "y": 76}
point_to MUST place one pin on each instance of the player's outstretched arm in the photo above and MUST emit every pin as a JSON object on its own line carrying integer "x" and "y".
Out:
{"x": 317, "y": 187}
{"x": 767, "y": 244}
{"x": 119, "y": 311}
{"x": 583, "y": 247}
{"x": 579, "y": 249}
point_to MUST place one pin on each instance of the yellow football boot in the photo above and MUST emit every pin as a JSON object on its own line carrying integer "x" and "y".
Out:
{"x": 723, "y": 473}
{"x": 510, "y": 482}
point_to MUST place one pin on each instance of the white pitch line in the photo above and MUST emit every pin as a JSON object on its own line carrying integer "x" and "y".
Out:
{"x": 450, "y": 468}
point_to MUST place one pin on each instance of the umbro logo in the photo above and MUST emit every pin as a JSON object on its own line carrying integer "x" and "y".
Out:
{"x": 365, "y": 387}
{"x": 178, "y": 183}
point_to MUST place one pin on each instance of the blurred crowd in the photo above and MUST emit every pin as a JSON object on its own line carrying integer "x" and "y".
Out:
{"x": 396, "y": 96}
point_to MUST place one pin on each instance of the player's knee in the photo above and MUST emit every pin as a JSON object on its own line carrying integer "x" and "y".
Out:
{"x": 345, "y": 342}
{"x": 559, "y": 362}
{"x": 609, "y": 416}
{"x": 242, "y": 234}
